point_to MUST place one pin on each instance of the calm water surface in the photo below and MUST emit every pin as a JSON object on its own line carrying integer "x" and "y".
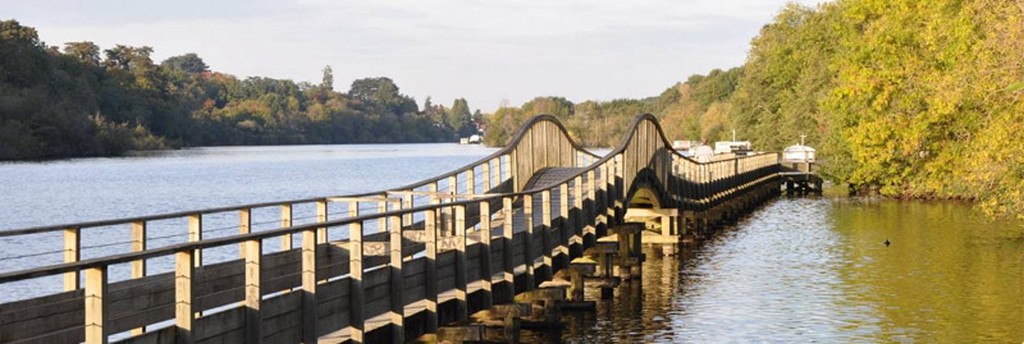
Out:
{"x": 67, "y": 191}
{"x": 796, "y": 270}
{"x": 816, "y": 270}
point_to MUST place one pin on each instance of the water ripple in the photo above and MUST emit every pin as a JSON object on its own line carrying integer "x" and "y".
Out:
{"x": 815, "y": 270}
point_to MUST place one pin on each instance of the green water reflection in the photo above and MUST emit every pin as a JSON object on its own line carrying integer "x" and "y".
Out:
{"x": 950, "y": 274}
{"x": 816, "y": 270}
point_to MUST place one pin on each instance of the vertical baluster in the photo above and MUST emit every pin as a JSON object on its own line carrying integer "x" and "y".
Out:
{"x": 244, "y": 227}
{"x": 430, "y": 271}
{"x": 486, "y": 174}
{"x": 577, "y": 223}
{"x": 139, "y": 245}
{"x": 353, "y": 209}
{"x": 446, "y": 212}
{"x": 355, "y": 260}
{"x": 461, "y": 305}
{"x": 286, "y": 221}
{"x": 309, "y": 302}
{"x": 513, "y": 169}
{"x": 184, "y": 314}
{"x": 382, "y": 207}
{"x": 545, "y": 233}
{"x": 485, "y": 252}
{"x": 407, "y": 204}
{"x": 96, "y": 310}
{"x": 195, "y": 233}
{"x": 253, "y": 250}
{"x": 471, "y": 181}
{"x": 620, "y": 189}
{"x": 397, "y": 281}
{"x": 453, "y": 184}
{"x": 591, "y": 215}
{"x": 528, "y": 239}
{"x": 72, "y": 253}
{"x": 321, "y": 217}
{"x": 508, "y": 265}
{"x": 138, "y": 266}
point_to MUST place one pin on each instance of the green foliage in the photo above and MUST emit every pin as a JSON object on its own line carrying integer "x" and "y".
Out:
{"x": 70, "y": 104}
{"x": 85, "y": 52}
{"x": 189, "y": 63}
{"x": 916, "y": 99}
{"x": 327, "y": 82}
{"x": 459, "y": 119}
{"x": 381, "y": 96}
{"x": 594, "y": 124}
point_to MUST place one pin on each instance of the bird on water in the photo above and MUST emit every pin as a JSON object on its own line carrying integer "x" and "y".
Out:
{"x": 887, "y": 243}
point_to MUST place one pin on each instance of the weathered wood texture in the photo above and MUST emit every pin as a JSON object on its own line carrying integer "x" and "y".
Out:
{"x": 423, "y": 257}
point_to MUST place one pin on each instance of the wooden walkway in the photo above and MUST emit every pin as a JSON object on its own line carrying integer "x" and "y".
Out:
{"x": 422, "y": 256}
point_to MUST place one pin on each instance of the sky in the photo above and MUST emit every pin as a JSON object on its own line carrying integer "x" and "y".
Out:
{"x": 488, "y": 52}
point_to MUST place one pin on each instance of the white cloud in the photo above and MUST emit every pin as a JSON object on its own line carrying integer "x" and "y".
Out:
{"x": 485, "y": 51}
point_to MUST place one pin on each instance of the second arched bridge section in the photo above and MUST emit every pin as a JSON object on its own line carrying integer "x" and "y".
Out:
{"x": 383, "y": 266}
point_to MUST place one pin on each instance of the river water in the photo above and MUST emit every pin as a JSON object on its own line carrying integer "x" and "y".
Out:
{"x": 796, "y": 270}
{"x": 802, "y": 270}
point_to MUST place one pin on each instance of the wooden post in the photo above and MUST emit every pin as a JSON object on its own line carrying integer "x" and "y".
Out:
{"x": 453, "y": 184}
{"x": 563, "y": 209}
{"x": 620, "y": 190}
{"x": 321, "y": 217}
{"x": 138, "y": 245}
{"x": 461, "y": 305}
{"x": 545, "y": 234}
{"x": 601, "y": 203}
{"x": 575, "y": 226}
{"x": 501, "y": 170}
{"x": 528, "y": 239}
{"x": 286, "y": 221}
{"x": 486, "y": 174}
{"x": 507, "y": 256}
{"x": 195, "y": 233}
{"x": 591, "y": 212}
{"x": 607, "y": 183}
{"x": 309, "y": 303}
{"x": 397, "y": 281}
{"x": 96, "y": 309}
{"x": 407, "y": 204}
{"x": 72, "y": 253}
{"x": 244, "y": 227}
{"x": 432, "y": 192}
{"x": 471, "y": 181}
{"x": 666, "y": 225}
{"x": 355, "y": 260}
{"x": 382, "y": 223}
{"x": 353, "y": 209}
{"x": 184, "y": 314}
{"x": 138, "y": 266}
{"x": 485, "y": 253}
{"x": 253, "y": 250}
{"x": 430, "y": 271}
{"x": 513, "y": 169}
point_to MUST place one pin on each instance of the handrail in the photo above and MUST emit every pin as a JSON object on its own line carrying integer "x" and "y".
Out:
{"x": 624, "y": 144}
{"x": 436, "y": 228}
{"x": 239, "y": 238}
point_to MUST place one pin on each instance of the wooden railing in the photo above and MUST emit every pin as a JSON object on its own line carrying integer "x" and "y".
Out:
{"x": 497, "y": 173}
{"x": 348, "y": 286}
{"x": 436, "y": 262}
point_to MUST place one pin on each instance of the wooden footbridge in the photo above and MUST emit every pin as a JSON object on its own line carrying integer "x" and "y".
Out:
{"x": 386, "y": 266}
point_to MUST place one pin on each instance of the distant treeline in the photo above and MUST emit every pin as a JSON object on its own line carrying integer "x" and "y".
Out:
{"x": 910, "y": 98}
{"x": 84, "y": 101}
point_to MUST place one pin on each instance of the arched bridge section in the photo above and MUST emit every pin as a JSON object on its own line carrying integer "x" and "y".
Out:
{"x": 383, "y": 266}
